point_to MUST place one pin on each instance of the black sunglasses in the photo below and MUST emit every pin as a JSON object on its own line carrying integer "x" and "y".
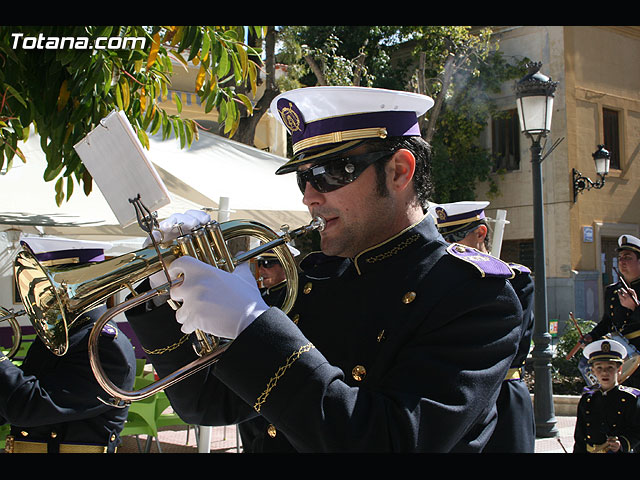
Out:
{"x": 337, "y": 173}
{"x": 268, "y": 262}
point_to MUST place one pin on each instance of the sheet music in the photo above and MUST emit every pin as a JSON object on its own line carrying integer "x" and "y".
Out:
{"x": 117, "y": 161}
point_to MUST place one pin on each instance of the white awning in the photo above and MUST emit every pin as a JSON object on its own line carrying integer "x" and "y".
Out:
{"x": 197, "y": 177}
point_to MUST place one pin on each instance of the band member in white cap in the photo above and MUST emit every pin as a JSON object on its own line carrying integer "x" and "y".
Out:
{"x": 621, "y": 312}
{"x": 51, "y": 400}
{"x": 608, "y": 418}
{"x": 465, "y": 223}
{"x": 390, "y": 349}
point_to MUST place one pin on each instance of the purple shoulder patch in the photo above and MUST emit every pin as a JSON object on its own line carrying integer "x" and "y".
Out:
{"x": 487, "y": 265}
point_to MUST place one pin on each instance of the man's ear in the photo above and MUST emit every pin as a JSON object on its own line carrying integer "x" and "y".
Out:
{"x": 402, "y": 166}
{"x": 481, "y": 231}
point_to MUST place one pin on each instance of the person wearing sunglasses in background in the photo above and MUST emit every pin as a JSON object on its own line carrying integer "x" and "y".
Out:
{"x": 465, "y": 224}
{"x": 272, "y": 279}
{"x": 398, "y": 344}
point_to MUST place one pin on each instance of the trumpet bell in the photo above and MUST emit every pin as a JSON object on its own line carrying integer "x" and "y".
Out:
{"x": 55, "y": 296}
{"x": 42, "y": 301}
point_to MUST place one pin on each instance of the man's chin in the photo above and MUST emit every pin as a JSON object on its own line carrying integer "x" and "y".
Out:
{"x": 330, "y": 248}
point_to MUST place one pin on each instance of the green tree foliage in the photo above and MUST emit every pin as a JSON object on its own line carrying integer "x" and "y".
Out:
{"x": 568, "y": 340}
{"x": 63, "y": 90}
{"x": 459, "y": 160}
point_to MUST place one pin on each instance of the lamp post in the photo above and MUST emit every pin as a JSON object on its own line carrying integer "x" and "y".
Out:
{"x": 602, "y": 158}
{"x": 534, "y": 98}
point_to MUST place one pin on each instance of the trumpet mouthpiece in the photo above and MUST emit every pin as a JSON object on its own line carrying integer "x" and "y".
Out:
{"x": 318, "y": 223}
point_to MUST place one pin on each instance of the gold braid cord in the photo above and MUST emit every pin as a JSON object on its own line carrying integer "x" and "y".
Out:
{"x": 394, "y": 251}
{"x": 168, "y": 348}
{"x": 281, "y": 371}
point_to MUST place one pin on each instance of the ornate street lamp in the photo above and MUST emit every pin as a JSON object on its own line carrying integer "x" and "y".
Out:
{"x": 534, "y": 99}
{"x": 601, "y": 157}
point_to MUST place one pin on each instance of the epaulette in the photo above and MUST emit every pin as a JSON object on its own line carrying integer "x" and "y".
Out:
{"x": 632, "y": 391}
{"x": 517, "y": 268}
{"x": 109, "y": 331}
{"x": 487, "y": 265}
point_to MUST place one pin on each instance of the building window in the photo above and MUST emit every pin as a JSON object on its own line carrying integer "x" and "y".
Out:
{"x": 611, "y": 130}
{"x": 518, "y": 251}
{"x": 505, "y": 140}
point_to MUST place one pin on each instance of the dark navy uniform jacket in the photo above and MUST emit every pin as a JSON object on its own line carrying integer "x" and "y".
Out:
{"x": 401, "y": 349}
{"x": 622, "y": 321}
{"x": 516, "y": 430}
{"x": 600, "y": 415}
{"x": 274, "y": 296}
{"x": 53, "y": 399}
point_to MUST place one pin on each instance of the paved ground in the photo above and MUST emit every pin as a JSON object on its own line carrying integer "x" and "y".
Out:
{"x": 564, "y": 440}
{"x": 224, "y": 440}
{"x": 181, "y": 439}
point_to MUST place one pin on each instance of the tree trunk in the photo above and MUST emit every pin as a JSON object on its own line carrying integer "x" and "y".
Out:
{"x": 435, "y": 111}
{"x": 317, "y": 71}
{"x": 247, "y": 129}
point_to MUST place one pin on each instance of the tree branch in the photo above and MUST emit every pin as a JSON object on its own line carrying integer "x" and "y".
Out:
{"x": 315, "y": 68}
{"x": 439, "y": 101}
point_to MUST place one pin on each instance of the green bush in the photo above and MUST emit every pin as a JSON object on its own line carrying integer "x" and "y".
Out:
{"x": 571, "y": 336}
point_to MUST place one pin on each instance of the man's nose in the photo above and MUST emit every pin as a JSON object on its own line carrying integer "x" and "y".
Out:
{"x": 311, "y": 196}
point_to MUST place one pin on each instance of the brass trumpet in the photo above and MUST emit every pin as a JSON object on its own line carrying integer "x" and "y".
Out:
{"x": 55, "y": 297}
{"x": 10, "y": 316}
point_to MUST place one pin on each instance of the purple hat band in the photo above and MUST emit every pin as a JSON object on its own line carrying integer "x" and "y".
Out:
{"x": 82, "y": 255}
{"x": 397, "y": 124}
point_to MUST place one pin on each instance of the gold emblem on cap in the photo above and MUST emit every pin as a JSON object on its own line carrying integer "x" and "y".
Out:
{"x": 271, "y": 430}
{"x": 606, "y": 347}
{"x": 290, "y": 118}
{"x": 307, "y": 288}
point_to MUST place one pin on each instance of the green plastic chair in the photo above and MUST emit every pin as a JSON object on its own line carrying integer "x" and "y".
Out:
{"x": 140, "y": 363}
{"x": 4, "y": 431}
{"x": 141, "y": 419}
{"x": 168, "y": 418}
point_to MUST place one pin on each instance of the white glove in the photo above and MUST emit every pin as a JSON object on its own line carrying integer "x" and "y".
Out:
{"x": 168, "y": 231}
{"x": 213, "y": 300}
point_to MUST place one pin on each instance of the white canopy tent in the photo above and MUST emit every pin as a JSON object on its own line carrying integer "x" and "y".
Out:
{"x": 198, "y": 177}
{"x": 218, "y": 167}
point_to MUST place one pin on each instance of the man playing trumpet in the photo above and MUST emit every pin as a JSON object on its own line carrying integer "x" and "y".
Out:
{"x": 396, "y": 343}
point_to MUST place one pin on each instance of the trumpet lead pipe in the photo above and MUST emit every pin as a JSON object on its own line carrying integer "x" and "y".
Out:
{"x": 317, "y": 223}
